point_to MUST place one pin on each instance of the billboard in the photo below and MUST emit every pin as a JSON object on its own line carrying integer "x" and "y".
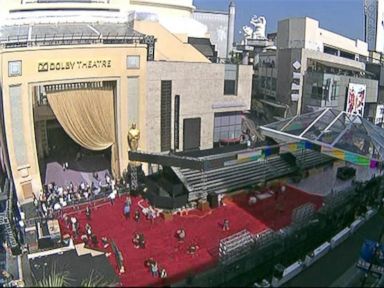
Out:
{"x": 379, "y": 119}
{"x": 356, "y": 99}
{"x": 374, "y": 29}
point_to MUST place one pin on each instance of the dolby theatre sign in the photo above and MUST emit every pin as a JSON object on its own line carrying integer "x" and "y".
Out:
{"x": 73, "y": 65}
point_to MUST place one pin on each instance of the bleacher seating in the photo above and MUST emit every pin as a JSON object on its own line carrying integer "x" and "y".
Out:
{"x": 236, "y": 176}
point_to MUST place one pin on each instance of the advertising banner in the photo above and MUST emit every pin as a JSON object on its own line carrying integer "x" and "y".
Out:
{"x": 356, "y": 99}
{"x": 379, "y": 119}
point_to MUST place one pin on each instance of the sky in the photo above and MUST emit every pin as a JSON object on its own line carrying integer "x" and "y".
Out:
{"x": 345, "y": 17}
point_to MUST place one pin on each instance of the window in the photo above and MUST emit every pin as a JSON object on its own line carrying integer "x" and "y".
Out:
{"x": 133, "y": 62}
{"x": 165, "y": 114}
{"x": 263, "y": 80}
{"x": 230, "y": 79}
{"x": 268, "y": 84}
{"x": 227, "y": 127}
{"x": 14, "y": 68}
{"x": 229, "y": 87}
{"x": 335, "y": 90}
{"x": 317, "y": 91}
{"x": 274, "y": 84}
{"x": 330, "y": 50}
{"x": 191, "y": 134}
{"x": 347, "y": 55}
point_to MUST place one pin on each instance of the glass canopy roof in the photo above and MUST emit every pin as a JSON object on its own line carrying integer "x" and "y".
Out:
{"x": 333, "y": 129}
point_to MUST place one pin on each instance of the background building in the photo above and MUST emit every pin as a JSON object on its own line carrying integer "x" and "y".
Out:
{"x": 374, "y": 25}
{"x": 311, "y": 68}
{"x": 217, "y": 24}
{"x": 133, "y": 66}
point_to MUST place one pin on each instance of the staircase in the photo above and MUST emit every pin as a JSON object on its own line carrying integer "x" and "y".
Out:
{"x": 82, "y": 250}
{"x": 248, "y": 123}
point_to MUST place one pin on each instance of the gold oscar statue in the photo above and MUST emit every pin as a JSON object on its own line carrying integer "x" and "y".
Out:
{"x": 133, "y": 137}
{"x": 133, "y": 142}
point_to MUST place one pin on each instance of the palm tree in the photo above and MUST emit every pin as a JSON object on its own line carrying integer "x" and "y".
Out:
{"x": 54, "y": 279}
{"x": 95, "y": 281}
{"x": 63, "y": 279}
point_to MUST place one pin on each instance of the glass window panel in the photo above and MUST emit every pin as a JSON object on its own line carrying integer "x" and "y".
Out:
{"x": 320, "y": 125}
{"x": 238, "y": 132}
{"x": 229, "y": 87}
{"x": 355, "y": 140}
{"x": 239, "y": 118}
{"x": 216, "y": 135}
{"x": 14, "y": 68}
{"x": 225, "y": 121}
{"x": 278, "y": 125}
{"x": 232, "y": 119}
{"x": 224, "y": 135}
{"x": 217, "y": 121}
{"x": 133, "y": 62}
{"x": 301, "y": 123}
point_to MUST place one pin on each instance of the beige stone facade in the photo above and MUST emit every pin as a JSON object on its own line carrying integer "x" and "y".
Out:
{"x": 200, "y": 86}
{"x": 201, "y": 90}
{"x": 26, "y": 174}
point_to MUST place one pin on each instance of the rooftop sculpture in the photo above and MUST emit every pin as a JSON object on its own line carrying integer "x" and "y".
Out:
{"x": 258, "y": 32}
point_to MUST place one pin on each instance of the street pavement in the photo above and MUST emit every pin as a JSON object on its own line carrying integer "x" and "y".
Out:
{"x": 337, "y": 268}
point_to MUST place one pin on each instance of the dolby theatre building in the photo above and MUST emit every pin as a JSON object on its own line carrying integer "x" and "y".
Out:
{"x": 75, "y": 75}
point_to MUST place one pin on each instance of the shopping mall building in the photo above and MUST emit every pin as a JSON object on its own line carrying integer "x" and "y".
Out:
{"x": 92, "y": 68}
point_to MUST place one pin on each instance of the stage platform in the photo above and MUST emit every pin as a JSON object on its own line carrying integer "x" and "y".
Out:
{"x": 202, "y": 228}
{"x": 78, "y": 171}
{"x": 324, "y": 181}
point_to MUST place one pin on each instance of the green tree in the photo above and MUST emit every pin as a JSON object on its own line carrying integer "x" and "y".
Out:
{"x": 63, "y": 279}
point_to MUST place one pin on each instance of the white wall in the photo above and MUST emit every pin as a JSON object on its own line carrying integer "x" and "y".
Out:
{"x": 304, "y": 32}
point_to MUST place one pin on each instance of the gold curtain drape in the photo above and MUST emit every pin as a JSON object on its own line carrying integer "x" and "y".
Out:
{"x": 87, "y": 115}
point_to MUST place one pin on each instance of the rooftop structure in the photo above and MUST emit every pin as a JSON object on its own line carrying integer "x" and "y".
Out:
{"x": 176, "y": 16}
{"x": 346, "y": 136}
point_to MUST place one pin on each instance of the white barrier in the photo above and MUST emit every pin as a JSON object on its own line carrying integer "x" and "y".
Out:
{"x": 356, "y": 224}
{"x": 370, "y": 213}
{"x": 292, "y": 270}
{"x": 340, "y": 237}
{"x": 289, "y": 272}
{"x": 317, "y": 253}
{"x": 320, "y": 251}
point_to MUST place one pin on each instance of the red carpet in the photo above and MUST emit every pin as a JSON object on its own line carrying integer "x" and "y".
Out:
{"x": 202, "y": 228}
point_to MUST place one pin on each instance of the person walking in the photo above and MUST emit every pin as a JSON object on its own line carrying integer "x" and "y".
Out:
{"x": 112, "y": 196}
{"x": 88, "y": 213}
{"x": 154, "y": 269}
{"x": 226, "y": 225}
{"x": 127, "y": 211}
{"x": 137, "y": 215}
